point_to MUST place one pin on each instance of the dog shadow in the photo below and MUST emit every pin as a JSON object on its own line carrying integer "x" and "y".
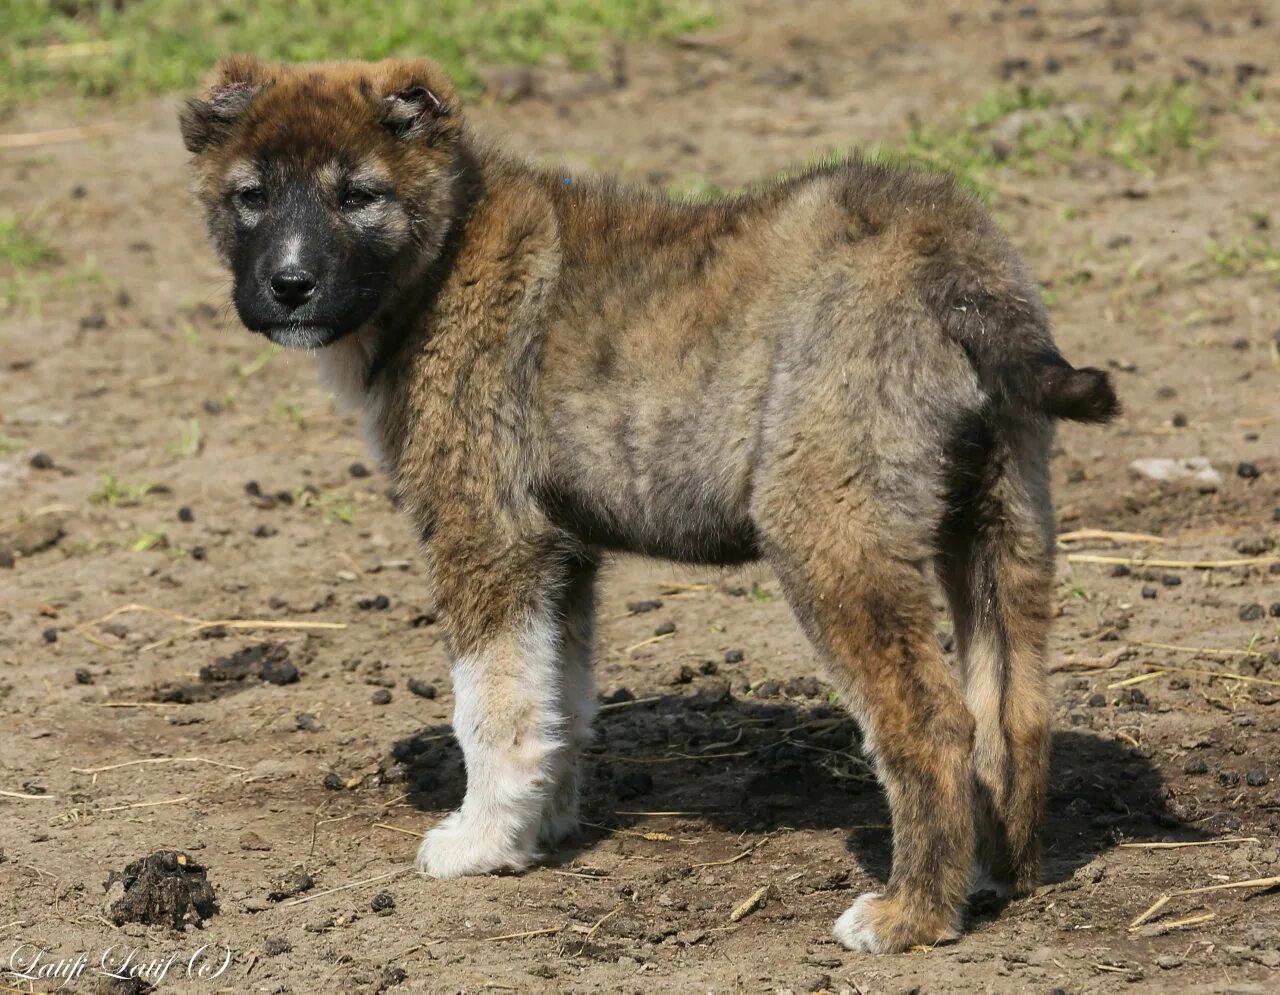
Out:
{"x": 748, "y": 766}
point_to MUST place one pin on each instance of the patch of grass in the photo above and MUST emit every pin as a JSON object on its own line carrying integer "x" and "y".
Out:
{"x": 19, "y": 247}
{"x": 1244, "y": 256}
{"x": 290, "y": 411}
{"x": 189, "y": 440}
{"x": 115, "y": 493}
{"x": 27, "y": 276}
{"x": 150, "y": 46}
{"x": 1029, "y": 130}
{"x": 8, "y": 444}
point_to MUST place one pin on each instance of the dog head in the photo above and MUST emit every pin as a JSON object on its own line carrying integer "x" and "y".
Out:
{"x": 325, "y": 186}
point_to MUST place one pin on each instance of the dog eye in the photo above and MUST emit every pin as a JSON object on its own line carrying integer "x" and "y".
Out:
{"x": 254, "y": 197}
{"x": 355, "y": 198}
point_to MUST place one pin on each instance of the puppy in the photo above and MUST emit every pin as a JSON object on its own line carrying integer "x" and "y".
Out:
{"x": 847, "y": 374}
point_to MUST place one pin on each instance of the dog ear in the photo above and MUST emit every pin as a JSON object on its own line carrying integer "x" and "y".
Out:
{"x": 208, "y": 120}
{"x": 419, "y": 105}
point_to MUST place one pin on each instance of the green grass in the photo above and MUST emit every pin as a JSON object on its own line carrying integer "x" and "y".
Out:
{"x": 19, "y": 247}
{"x": 116, "y": 493}
{"x": 152, "y": 46}
{"x": 1244, "y": 256}
{"x": 28, "y": 272}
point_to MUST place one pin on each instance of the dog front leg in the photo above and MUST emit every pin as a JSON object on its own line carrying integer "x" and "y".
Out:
{"x": 509, "y": 724}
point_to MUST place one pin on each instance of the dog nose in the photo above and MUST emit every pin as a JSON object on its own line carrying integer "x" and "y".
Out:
{"x": 292, "y": 287}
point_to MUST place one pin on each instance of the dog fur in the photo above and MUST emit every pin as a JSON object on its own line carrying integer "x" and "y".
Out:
{"x": 847, "y": 373}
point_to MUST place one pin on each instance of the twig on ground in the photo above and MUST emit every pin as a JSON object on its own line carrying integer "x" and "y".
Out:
{"x": 23, "y": 795}
{"x": 1179, "y": 846}
{"x": 1138, "y": 561}
{"x": 194, "y": 625}
{"x": 1163, "y": 900}
{"x": 1089, "y": 535}
{"x": 349, "y": 886}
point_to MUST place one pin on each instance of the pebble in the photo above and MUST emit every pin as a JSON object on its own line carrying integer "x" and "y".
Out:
{"x": 769, "y": 689}
{"x": 41, "y": 461}
{"x": 1120, "y": 570}
{"x": 358, "y": 470}
{"x": 1251, "y": 613}
{"x": 381, "y": 697}
{"x": 1256, "y": 778}
{"x": 185, "y": 514}
{"x": 1098, "y": 700}
{"x": 50, "y": 635}
{"x": 378, "y": 603}
{"x": 733, "y": 656}
{"x": 383, "y": 903}
{"x": 1171, "y": 580}
{"x": 1274, "y": 610}
{"x": 1195, "y": 765}
{"x": 274, "y": 946}
{"x": 665, "y": 629}
{"x": 640, "y": 607}
{"x": 333, "y": 782}
{"x": 1248, "y": 471}
{"x": 1149, "y": 592}
{"x": 421, "y": 688}
{"x": 279, "y": 672}
{"x": 197, "y": 552}
{"x": 84, "y": 676}
{"x": 306, "y": 722}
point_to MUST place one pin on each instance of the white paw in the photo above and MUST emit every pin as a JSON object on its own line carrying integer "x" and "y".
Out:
{"x": 460, "y": 846}
{"x": 854, "y": 928}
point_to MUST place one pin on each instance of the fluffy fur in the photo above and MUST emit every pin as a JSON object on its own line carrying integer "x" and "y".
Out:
{"x": 848, "y": 374}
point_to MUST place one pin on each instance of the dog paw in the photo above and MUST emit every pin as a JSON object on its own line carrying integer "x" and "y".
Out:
{"x": 856, "y": 928}
{"x": 876, "y": 925}
{"x": 459, "y": 847}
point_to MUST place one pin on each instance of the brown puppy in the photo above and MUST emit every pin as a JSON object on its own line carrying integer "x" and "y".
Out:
{"x": 848, "y": 373}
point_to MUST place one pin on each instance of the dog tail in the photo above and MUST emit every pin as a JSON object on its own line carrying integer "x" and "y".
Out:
{"x": 1020, "y": 369}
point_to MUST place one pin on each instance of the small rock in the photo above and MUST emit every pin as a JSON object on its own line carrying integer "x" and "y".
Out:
{"x": 821, "y": 983}
{"x": 1171, "y": 580}
{"x": 1251, "y": 613}
{"x": 255, "y": 904}
{"x": 1098, "y": 700}
{"x": 84, "y": 675}
{"x": 1120, "y": 570}
{"x": 279, "y": 672}
{"x": 307, "y": 722}
{"x": 274, "y": 946}
{"x": 50, "y": 635}
{"x": 767, "y": 689}
{"x": 290, "y": 885}
{"x": 41, "y": 461}
{"x": 1248, "y": 471}
{"x": 377, "y": 603}
{"x": 733, "y": 656}
{"x": 1195, "y": 765}
{"x": 358, "y": 470}
{"x": 382, "y": 696}
{"x": 421, "y": 688}
{"x": 249, "y": 840}
{"x": 641, "y": 607}
{"x": 665, "y": 629}
{"x": 1196, "y": 470}
{"x": 684, "y": 675}
{"x": 197, "y": 552}
{"x": 185, "y": 514}
{"x": 1167, "y": 962}
{"x": 333, "y": 782}
{"x": 383, "y": 903}
{"x": 1149, "y": 592}
{"x": 1256, "y": 778}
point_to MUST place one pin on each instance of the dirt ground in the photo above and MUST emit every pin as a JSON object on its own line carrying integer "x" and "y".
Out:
{"x": 720, "y": 766}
